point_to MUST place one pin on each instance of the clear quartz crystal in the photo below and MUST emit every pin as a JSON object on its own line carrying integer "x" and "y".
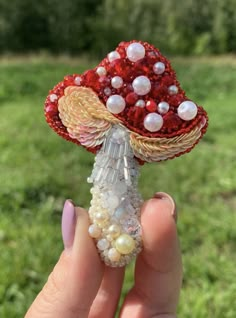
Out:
{"x": 115, "y": 196}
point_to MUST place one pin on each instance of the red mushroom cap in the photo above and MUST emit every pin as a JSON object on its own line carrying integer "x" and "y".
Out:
{"x": 136, "y": 87}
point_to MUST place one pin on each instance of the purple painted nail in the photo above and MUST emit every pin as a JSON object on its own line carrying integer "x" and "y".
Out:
{"x": 165, "y": 196}
{"x": 68, "y": 224}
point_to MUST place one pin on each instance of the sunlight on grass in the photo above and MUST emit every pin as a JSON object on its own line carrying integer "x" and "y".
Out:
{"x": 39, "y": 171}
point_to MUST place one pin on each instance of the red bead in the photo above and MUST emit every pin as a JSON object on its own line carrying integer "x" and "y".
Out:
{"x": 142, "y": 67}
{"x": 151, "y": 106}
{"x": 69, "y": 80}
{"x": 159, "y": 91}
{"x": 175, "y": 100}
{"x": 104, "y": 81}
{"x": 167, "y": 80}
{"x": 172, "y": 122}
{"x": 131, "y": 98}
{"x": 91, "y": 79}
{"x": 123, "y": 69}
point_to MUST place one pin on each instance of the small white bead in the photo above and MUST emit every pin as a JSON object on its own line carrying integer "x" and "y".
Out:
{"x": 115, "y": 104}
{"x": 101, "y": 216}
{"x": 141, "y": 85}
{"x": 187, "y": 110}
{"x": 135, "y": 51}
{"x": 94, "y": 231}
{"x": 117, "y": 82}
{"x": 53, "y": 98}
{"x": 101, "y": 71}
{"x": 153, "y": 122}
{"x": 159, "y": 68}
{"x": 113, "y": 201}
{"x": 140, "y": 103}
{"x": 163, "y": 107}
{"x": 112, "y": 56}
{"x": 113, "y": 254}
{"x": 103, "y": 244}
{"x": 173, "y": 89}
{"x": 78, "y": 80}
{"x": 107, "y": 91}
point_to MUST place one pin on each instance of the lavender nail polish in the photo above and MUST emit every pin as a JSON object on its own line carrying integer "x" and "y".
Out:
{"x": 68, "y": 224}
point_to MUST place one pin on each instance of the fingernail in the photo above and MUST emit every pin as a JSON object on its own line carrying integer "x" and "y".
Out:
{"x": 165, "y": 196}
{"x": 68, "y": 224}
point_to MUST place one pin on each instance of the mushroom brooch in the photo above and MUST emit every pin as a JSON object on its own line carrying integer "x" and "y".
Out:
{"x": 128, "y": 110}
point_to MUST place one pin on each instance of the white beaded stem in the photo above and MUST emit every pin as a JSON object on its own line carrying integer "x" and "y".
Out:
{"x": 115, "y": 206}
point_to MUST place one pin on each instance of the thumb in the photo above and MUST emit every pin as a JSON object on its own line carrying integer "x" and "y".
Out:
{"x": 75, "y": 280}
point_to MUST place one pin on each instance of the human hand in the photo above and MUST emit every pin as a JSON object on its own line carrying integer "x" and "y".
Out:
{"x": 80, "y": 285}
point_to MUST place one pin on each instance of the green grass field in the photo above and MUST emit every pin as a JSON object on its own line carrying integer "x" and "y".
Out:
{"x": 39, "y": 170}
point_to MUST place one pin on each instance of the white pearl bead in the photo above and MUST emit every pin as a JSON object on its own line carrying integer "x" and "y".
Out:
{"x": 78, "y": 80}
{"x": 163, "y": 107}
{"x": 113, "y": 56}
{"x": 103, "y": 244}
{"x": 115, "y": 104}
{"x": 135, "y": 51}
{"x": 187, "y": 110}
{"x": 159, "y": 68}
{"x": 94, "y": 231}
{"x": 113, "y": 201}
{"x": 107, "y": 91}
{"x": 113, "y": 255}
{"x": 141, "y": 85}
{"x": 153, "y": 122}
{"x": 125, "y": 244}
{"x": 173, "y": 89}
{"x": 114, "y": 230}
{"x": 101, "y": 217}
{"x": 53, "y": 98}
{"x": 101, "y": 71}
{"x": 140, "y": 103}
{"x": 116, "y": 82}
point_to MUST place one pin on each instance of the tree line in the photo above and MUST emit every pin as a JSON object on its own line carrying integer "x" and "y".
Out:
{"x": 94, "y": 27}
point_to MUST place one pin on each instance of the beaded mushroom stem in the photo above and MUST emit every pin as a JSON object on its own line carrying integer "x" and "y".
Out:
{"x": 128, "y": 110}
{"x": 115, "y": 206}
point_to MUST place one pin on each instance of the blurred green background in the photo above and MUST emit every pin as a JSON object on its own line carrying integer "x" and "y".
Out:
{"x": 42, "y": 41}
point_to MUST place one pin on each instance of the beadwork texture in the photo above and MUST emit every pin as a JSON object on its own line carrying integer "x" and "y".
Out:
{"x": 128, "y": 110}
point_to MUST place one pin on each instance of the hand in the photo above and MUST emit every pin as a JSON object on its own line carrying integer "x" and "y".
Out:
{"x": 81, "y": 285}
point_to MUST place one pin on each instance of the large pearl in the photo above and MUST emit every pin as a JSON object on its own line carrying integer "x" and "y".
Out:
{"x": 159, "y": 68}
{"x": 117, "y": 82}
{"x": 153, "y": 122}
{"x": 125, "y": 244}
{"x": 112, "y": 56}
{"x": 101, "y": 71}
{"x": 135, "y": 52}
{"x": 163, "y": 107}
{"x": 141, "y": 85}
{"x": 115, "y": 104}
{"x": 94, "y": 231}
{"x": 187, "y": 110}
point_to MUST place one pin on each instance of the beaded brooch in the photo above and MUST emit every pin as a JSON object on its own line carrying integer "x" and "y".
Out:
{"x": 128, "y": 110}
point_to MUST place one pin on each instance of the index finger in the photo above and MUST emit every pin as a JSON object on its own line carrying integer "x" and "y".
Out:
{"x": 158, "y": 271}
